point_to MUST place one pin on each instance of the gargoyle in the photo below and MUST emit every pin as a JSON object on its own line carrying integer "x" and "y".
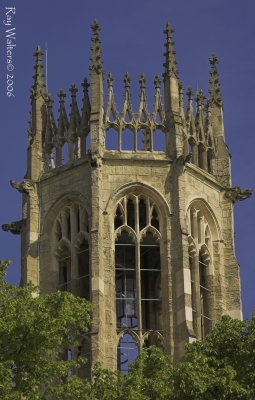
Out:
{"x": 95, "y": 159}
{"x": 182, "y": 160}
{"x": 14, "y": 227}
{"x": 23, "y": 187}
{"x": 237, "y": 194}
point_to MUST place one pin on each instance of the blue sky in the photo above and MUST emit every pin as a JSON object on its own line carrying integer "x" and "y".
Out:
{"x": 132, "y": 40}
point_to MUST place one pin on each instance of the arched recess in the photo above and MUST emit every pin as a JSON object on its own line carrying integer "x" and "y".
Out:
{"x": 67, "y": 223}
{"x": 135, "y": 188}
{"x": 203, "y": 230}
{"x": 139, "y": 228}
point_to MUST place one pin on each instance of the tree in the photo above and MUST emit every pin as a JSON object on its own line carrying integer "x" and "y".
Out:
{"x": 36, "y": 331}
{"x": 222, "y": 367}
{"x": 35, "y": 334}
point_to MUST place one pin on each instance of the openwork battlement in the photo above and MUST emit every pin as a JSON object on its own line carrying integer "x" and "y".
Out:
{"x": 168, "y": 128}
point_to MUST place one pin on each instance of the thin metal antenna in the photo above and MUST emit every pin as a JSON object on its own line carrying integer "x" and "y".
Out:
{"x": 46, "y": 67}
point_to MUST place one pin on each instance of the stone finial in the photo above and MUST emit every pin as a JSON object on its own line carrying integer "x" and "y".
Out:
{"x": 142, "y": 81}
{"x": 62, "y": 119}
{"x": 200, "y": 115}
{"x": 190, "y": 94}
{"x": 85, "y": 115}
{"x": 85, "y": 86}
{"x": 157, "y": 82}
{"x": 39, "y": 85}
{"x": 127, "y": 80}
{"x": 50, "y": 130}
{"x": 74, "y": 114}
{"x": 170, "y": 62}
{"x": 215, "y": 99}
{"x": 96, "y": 60}
{"x": 200, "y": 98}
{"x": 189, "y": 114}
{"x": 110, "y": 80}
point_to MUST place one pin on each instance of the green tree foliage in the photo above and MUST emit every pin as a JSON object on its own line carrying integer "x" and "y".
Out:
{"x": 35, "y": 330}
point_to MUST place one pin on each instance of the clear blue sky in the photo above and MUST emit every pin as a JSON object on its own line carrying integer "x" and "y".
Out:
{"x": 132, "y": 40}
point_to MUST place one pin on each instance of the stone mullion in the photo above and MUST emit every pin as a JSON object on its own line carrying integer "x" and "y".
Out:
{"x": 64, "y": 223}
{"x": 74, "y": 261}
{"x": 197, "y": 296}
{"x": 138, "y": 274}
{"x": 166, "y": 279}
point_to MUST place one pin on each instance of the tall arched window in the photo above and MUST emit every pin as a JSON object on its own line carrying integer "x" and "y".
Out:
{"x": 200, "y": 259}
{"x": 137, "y": 274}
{"x": 71, "y": 241}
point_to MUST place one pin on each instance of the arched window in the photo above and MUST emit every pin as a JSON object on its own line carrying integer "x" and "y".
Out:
{"x": 127, "y": 352}
{"x": 71, "y": 238}
{"x": 64, "y": 268}
{"x": 200, "y": 256}
{"x": 83, "y": 276}
{"x": 137, "y": 273}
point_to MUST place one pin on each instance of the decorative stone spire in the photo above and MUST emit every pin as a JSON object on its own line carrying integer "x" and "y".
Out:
{"x": 215, "y": 99}
{"x": 158, "y": 107}
{"x": 191, "y": 127}
{"x": 208, "y": 127}
{"x": 170, "y": 62}
{"x": 50, "y": 131}
{"x": 181, "y": 101}
{"x": 96, "y": 60}
{"x": 39, "y": 85}
{"x": 200, "y": 116}
{"x": 85, "y": 114}
{"x": 190, "y": 121}
{"x": 127, "y": 80}
{"x": 143, "y": 115}
{"x": 63, "y": 123}
{"x": 75, "y": 118}
{"x": 97, "y": 137}
{"x": 127, "y": 113}
{"x": 111, "y": 108}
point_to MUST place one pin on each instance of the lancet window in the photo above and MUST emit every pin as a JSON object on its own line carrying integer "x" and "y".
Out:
{"x": 72, "y": 250}
{"x": 200, "y": 262}
{"x": 137, "y": 275}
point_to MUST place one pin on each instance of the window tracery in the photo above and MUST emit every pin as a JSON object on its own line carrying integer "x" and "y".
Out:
{"x": 137, "y": 275}
{"x": 200, "y": 260}
{"x": 71, "y": 242}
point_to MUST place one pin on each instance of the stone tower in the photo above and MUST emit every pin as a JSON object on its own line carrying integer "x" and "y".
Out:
{"x": 145, "y": 230}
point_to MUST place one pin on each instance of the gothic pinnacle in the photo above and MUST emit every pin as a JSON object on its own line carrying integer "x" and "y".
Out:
{"x": 50, "y": 131}
{"x": 170, "y": 62}
{"x": 74, "y": 114}
{"x": 62, "y": 119}
{"x": 157, "y": 82}
{"x": 39, "y": 84}
{"x": 110, "y": 80}
{"x": 85, "y": 114}
{"x": 96, "y": 60}
{"x": 127, "y": 80}
{"x": 142, "y": 81}
{"x": 215, "y": 98}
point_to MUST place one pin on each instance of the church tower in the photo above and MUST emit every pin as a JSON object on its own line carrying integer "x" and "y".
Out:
{"x": 142, "y": 228}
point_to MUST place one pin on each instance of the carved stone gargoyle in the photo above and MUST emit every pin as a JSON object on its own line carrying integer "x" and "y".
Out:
{"x": 237, "y": 194}
{"x": 14, "y": 227}
{"x": 23, "y": 187}
{"x": 95, "y": 159}
{"x": 182, "y": 160}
